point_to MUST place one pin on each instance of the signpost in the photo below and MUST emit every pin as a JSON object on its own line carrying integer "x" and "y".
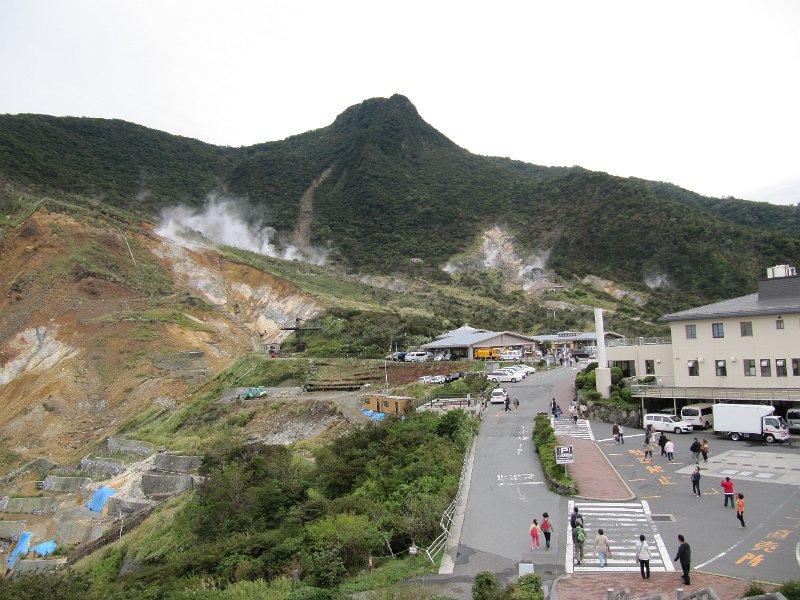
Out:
{"x": 564, "y": 455}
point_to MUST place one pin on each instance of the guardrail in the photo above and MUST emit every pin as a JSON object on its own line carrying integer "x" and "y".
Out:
{"x": 446, "y": 519}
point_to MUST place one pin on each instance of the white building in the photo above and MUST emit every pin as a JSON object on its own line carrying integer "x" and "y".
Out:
{"x": 746, "y": 348}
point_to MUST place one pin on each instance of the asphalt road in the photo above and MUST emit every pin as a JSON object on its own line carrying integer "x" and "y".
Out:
{"x": 768, "y": 476}
{"x": 507, "y": 490}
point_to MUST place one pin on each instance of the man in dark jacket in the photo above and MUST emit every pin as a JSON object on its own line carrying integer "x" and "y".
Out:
{"x": 662, "y": 440}
{"x": 695, "y": 450}
{"x": 684, "y": 555}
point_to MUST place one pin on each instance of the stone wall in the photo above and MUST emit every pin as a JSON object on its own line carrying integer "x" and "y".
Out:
{"x": 135, "y": 447}
{"x": 157, "y": 486}
{"x": 54, "y": 483}
{"x": 626, "y": 417}
{"x": 72, "y": 532}
{"x": 125, "y": 507}
{"x": 11, "y": 529}
{"x": 172, "y": 463}
{"x": 102, "y": 466}
{"x": 34, "y": 506}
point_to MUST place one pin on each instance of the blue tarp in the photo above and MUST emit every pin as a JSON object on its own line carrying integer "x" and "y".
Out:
{"x": 378, "y": 416}
{"x": 367, "y": 412}
{"x": 98, "y": 501}
{"x": 45, "y": 548}
{"x": 23, "y": 545}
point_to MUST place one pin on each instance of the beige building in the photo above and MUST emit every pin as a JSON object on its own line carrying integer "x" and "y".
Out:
{"x": 746, "y": 348}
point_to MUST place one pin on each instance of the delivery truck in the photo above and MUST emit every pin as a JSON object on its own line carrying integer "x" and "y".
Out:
{"x": 749, "y": 421}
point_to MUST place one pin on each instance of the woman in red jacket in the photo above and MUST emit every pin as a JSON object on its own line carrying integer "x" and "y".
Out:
{"x": 727, "y": 487}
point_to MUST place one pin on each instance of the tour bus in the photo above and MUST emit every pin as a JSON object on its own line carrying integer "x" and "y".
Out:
{"x": 700, "y": 416}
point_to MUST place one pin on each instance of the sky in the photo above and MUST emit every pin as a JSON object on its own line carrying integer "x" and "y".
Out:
{"x": 705, "y": 95}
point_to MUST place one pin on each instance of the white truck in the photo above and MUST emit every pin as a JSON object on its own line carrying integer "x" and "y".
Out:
{"x": 751, "y": 421}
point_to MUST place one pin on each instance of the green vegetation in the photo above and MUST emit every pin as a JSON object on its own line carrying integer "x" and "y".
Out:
{"x": 264, "y": 511}
{"x": 586, "y": 386}
{"x": 544, "y": 440}
{"x": 486, "y": 586}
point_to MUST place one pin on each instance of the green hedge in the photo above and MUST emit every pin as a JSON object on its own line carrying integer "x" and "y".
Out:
{"x": 544, "y": 439}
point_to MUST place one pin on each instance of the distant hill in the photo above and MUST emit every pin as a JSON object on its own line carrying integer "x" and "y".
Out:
{"x": 401, "y": 197}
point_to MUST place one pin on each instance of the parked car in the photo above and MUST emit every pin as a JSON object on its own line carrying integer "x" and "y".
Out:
{"x": 442, "y": 356}
{"x": 661, "y": 422}
{"x": 452, "y": 376}
{"x": 517, "y": 369}
{"x": 498, "y": 376}
{"x": 397, "y": 356}
{"x": 418, "y": 357}
{"x": 432, "y": 379}
{"x": 699, "y": 415}
{"x": 527, "y": 368}
{"x": 498, "y": 396}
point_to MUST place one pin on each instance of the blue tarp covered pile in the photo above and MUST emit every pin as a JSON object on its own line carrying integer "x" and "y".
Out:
{"x": 45, "y": 548}
{"x": 22, "y": 547}
{"x": 99, "y": 499}
{"x": 373, "y": 415}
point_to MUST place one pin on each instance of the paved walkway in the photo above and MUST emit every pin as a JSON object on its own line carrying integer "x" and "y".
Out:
{"x": 597, "y": 479}
{"x": 594, "y": 587}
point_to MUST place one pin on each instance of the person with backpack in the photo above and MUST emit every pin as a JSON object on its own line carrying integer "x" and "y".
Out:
{"x": 643, "y": 556}
{"x": 579, "y": 539}
{"x": 535, "y": 534}
{"x": 547, "y": 529}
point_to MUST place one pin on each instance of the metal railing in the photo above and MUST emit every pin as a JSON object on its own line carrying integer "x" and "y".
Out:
{"x": 714, "y": 393}
{"x": 640, "y": 341}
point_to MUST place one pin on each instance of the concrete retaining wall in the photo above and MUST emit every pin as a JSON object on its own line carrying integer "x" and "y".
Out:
{"x": 34, "y": 506}
{"x": 72, "y": 532}
{"x": 11, "y": 529}
{"x": 176, "y": 464}
{"x": 54, "y": 483}
{"x": 102, "y": 466}
{"x": 136, "y": 447}
{"x": 37, "y": 566}
{"x": 157, "y": 486}
{"x": 126, "y": 507}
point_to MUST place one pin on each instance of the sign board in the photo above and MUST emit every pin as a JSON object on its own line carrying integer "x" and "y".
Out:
{"x": 564, "y": 455}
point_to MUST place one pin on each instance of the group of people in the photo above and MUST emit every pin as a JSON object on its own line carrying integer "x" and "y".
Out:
{"x": 546, "y": 527}
{"x": 508, "y": 403}
{"x": 602, "y": 548}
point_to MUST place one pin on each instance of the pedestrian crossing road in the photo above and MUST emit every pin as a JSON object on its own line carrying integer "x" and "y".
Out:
{"x": 566, "y": 427}
{"x": 622, "y": 523}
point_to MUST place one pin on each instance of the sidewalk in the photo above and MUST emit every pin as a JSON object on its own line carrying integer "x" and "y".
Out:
{"x": 595, "y": 476}
{"x": 593, "y": 586}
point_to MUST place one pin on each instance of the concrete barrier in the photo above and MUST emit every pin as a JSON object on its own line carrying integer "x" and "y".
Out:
{"x": 34, "y": 506}
{"x": 125, "y": 507}
{"x": 53, "y": 483}
{"x": 102, "y": 466}
{"x": 157, "y": 486}
{"x": 37, "y": 566}
{"x": 172, "y": 463}
{"x": 73, "y": 532}
{"x": 136, "y": 447}
{"x": 11, "y": 529}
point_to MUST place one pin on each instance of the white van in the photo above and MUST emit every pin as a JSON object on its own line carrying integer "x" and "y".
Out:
{"x": 511, "y": 355}
{"x": 418, "y": 356}
{"x": 793, "y": 418}
{"x": 701, "y": 416}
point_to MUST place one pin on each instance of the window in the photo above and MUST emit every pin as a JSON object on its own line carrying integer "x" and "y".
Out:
{"x": 796, "y": 367}
{"x": 691, "y": 332}
{"x": 749, "y": 367}
{"x": 717, "y": 330}
{"x": 650, "y": 367}
{"x": 694, "y": 369}
{"x": 721, "y": 368}
{"x": 779, "y": 324}
{"x": 780, "y": 367}
{"x": 766, "y": 370}
{"x": 747, "y": 328}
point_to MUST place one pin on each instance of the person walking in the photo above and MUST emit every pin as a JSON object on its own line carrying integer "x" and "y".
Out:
{"x": 508, "y": 404}
{"x": 727, "y": 489}
{"x": 615, "y": 433}
{"x": 684, "y": 555}
{"x": 696, "y": 482}
{"x": 695, "y": 450}
{"x": 704, "y": 449}
{"x": 648, "y": 449}
{"x": 516, "y": 403}
{"x": 740, "y": 508}
{"x": 602, "y": 548}
{"x": 662, "y": 440}
{"x": 547, "y": 529}
{"x": 578, "y": 539}
{"x": 535, "y": 534}
{"x": 558, "y": 412}
{"x": 621, "y": 435}
{"x": 669, "y": 448}
{"x": 643, "y": 556}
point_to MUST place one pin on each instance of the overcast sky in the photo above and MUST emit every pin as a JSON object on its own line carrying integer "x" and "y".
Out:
{"x": 703, "y": 94}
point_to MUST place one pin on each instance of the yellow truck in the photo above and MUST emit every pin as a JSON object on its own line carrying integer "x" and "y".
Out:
{"x": 488, "y": 353}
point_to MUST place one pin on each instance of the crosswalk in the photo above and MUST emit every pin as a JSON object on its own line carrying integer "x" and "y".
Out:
{"x": 564, "y": 426}
{"x": 622, "y": 523}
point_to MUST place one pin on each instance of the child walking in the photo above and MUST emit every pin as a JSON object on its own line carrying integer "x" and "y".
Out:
{"x": 740, "y": 509}
{"x": 535, "y": 534}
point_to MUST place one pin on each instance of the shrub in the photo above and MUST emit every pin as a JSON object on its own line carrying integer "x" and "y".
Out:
{"x": 754, "y": 589}
{"x": 790, "y": 589}
{"x": 544, "y": 437}
{"x": 309, "y": 593}
{"x": 485, "y": 586}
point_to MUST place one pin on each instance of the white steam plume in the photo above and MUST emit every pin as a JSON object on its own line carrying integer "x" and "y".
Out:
{"x": 225, "y": 220}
